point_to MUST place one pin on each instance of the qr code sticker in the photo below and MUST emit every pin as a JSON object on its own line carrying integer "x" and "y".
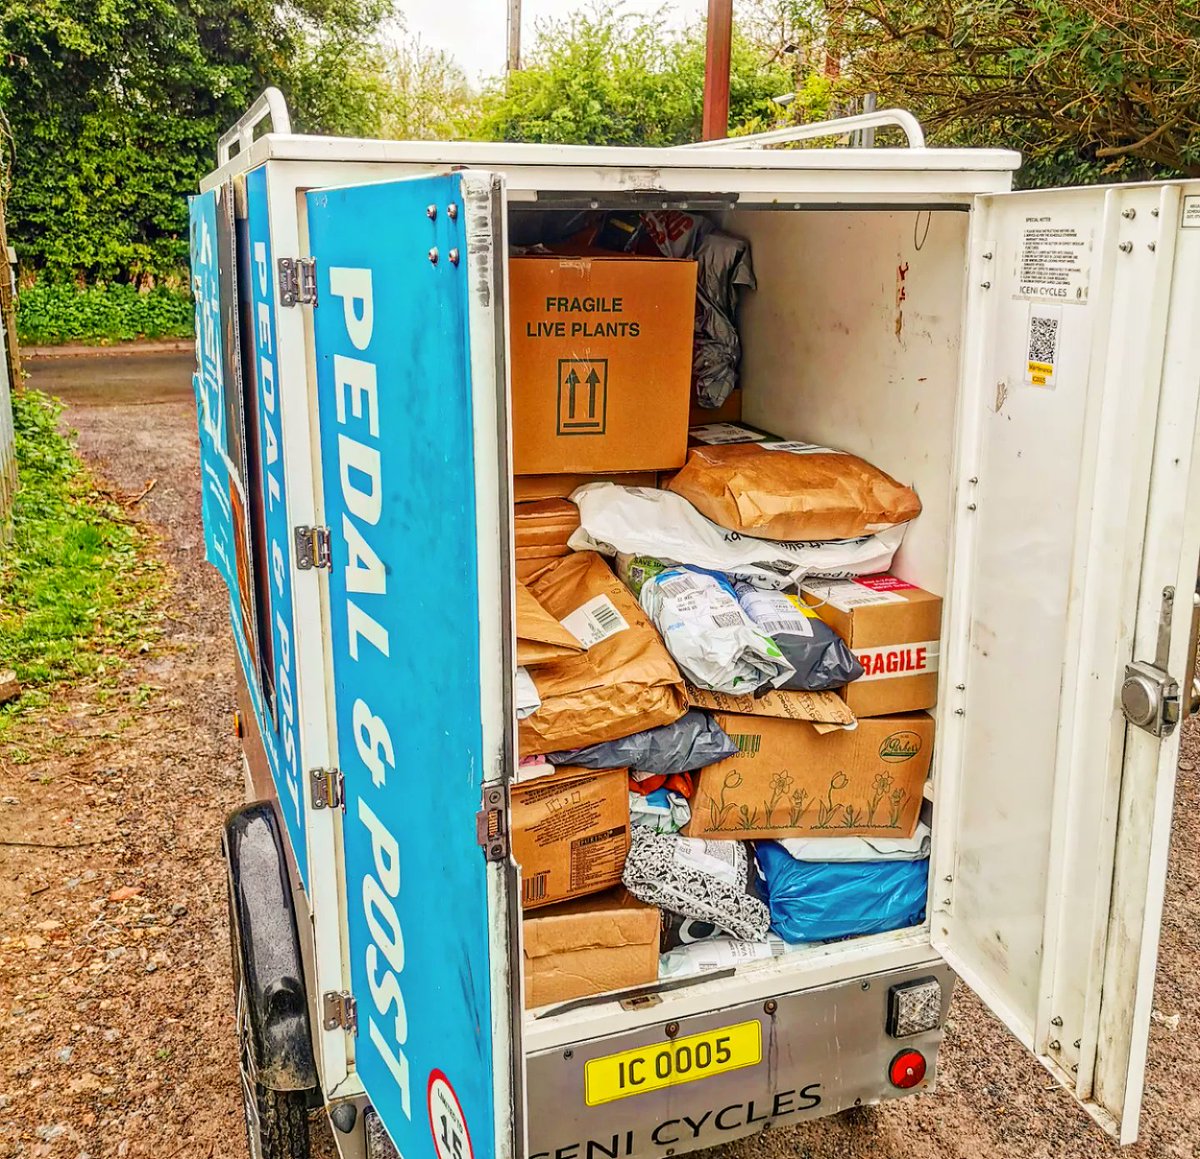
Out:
{"x": 1043, "y": 339}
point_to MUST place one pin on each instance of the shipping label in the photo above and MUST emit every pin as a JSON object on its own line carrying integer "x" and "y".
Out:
{"x": 595, "y": 621}
{"x": 795, "y": 448}
{"x": 846, "y": 595}
{"x": 716, "y": 434}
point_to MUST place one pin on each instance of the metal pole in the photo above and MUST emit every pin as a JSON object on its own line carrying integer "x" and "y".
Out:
{"x": 8, "y": 310}
{"x": 716, "y": 70}
{"x": 514, "y": 35}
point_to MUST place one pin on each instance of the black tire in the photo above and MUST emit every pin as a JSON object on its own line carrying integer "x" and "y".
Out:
{"x": 276, "y": 1121}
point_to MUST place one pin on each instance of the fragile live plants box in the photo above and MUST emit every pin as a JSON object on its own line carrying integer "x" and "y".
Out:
{"x": 789, "y": 780}
{"x": 601, "y": 362}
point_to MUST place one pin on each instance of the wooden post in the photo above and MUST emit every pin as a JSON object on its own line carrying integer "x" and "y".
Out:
{"x": 716, "y": 70}
{"x": 514, "y": 35}
{"x": 8, "y": 307}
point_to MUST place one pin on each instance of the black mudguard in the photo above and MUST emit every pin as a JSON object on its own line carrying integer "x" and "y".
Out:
{"x": 264, "y": 933}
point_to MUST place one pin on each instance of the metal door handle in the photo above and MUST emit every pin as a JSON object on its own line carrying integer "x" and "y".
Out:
{"x": 1190, "y": 683}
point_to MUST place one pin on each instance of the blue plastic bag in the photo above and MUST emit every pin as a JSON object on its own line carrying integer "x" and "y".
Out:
{"x": 817, "y": 901}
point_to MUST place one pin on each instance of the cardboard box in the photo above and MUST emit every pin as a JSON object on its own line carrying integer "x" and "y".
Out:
{"x": 893, "y": 628}
{"x": 789, "y": 780}
{"x": 529, "y": 487}
{"x": 590, "y": 946}
{"x": 570, "y": 833}
{"x": 601, "y": 362}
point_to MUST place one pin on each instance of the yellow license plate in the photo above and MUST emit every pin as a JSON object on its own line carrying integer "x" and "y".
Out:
{"x": 667, "y": 1064}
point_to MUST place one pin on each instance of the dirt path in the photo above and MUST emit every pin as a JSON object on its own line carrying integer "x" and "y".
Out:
{"x": 115, "y": 1022}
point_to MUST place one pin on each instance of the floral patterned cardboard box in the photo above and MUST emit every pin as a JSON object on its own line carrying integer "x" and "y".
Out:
{"x": 789, "y": 780}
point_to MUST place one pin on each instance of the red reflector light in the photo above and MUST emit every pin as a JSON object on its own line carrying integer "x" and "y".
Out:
{"x": 907, "y": 1069}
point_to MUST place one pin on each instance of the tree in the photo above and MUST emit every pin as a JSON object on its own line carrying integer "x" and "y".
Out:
{"x": 116, "y": 106}
{"x": 1090, "y": 88}
{"x": 606, "y": 77}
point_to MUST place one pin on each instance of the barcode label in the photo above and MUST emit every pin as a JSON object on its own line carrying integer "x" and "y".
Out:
{"x": 534, "y": 888}
{"x": 845, "y": 595}
{"x": 678, "y": 586}
{"x": 795, "y": 448}
{"x": 727, "y": 619}
{"x": 594, "y": 621}
{"x": 1042, "y": 346}
{"x": 775, "y": 612}
{"x": 748, "y": 743}
{"x": 1043, "y": 339}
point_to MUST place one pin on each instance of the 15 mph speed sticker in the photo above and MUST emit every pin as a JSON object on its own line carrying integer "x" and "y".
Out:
{"x": 451, "y": 1138}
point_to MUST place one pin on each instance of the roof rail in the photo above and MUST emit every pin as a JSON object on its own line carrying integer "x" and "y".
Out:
{"x": 836, "y": 127}
{"x": 270, "y": 104}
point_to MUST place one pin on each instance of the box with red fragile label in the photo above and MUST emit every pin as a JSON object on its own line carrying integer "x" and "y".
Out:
{"x": 893, "y": 627}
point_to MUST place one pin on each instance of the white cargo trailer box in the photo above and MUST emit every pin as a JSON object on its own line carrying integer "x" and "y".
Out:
{"x": 1027, "y": 361}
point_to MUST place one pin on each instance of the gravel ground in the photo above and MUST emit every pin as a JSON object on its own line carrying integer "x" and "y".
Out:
{"x": 115, "y": 1002}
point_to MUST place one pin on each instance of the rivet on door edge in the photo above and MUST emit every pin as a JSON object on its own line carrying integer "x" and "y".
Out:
{"x": 433, "y": 256}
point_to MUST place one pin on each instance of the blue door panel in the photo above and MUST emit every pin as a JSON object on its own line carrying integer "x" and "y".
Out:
{"x": 396, "y": 440}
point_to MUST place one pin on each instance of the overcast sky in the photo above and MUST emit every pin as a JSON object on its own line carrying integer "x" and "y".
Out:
{"x": 474, "y": 31}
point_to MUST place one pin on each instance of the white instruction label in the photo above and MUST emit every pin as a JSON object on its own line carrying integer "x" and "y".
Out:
{"x": 716, "y": 858}
{"x": 846, "y": 595}
{"x": 1054, "y": 261}
{"x": 775, "y": 613}
{"x": 892, "y": 660}
{"x": 794, "y": 448}
{"x": 594, "y": 621}
{"x": 712, "y": 434}
{"x": 1191, "y": 212}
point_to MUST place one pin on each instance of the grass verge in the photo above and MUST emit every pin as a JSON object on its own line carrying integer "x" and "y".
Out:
{"x": 79, "y": 590}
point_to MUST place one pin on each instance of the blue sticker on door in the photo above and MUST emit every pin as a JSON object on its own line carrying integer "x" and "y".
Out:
{"x": 396, "y": 437}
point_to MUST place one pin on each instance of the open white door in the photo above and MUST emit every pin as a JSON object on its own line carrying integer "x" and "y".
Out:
{"x": 1077, "y": 520}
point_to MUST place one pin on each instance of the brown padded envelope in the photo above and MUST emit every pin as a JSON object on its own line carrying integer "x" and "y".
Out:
{"x": 621, "y": 685}
{"x": 781, "y": 495}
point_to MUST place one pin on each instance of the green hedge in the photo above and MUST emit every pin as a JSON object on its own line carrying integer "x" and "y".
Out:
{"x": 48, "y": 314}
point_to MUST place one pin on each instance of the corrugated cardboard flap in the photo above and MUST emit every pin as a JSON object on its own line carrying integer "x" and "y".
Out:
{"x": 821, "y": 708}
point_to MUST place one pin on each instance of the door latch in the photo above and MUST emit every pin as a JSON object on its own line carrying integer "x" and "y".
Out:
{"x": 491, "y": 823}
{"x": 1150, "y": 694}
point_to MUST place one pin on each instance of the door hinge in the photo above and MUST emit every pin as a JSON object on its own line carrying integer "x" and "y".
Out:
{"x": 297, "y": 281}
{"x": 327, "y": 788}
{"x": 491, "y": 823}
{"x": 312, "y": 547}
{"x": 339, "y": 1008}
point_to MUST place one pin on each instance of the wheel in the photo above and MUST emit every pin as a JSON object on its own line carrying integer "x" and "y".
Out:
{"x": 276, "y": 1121}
